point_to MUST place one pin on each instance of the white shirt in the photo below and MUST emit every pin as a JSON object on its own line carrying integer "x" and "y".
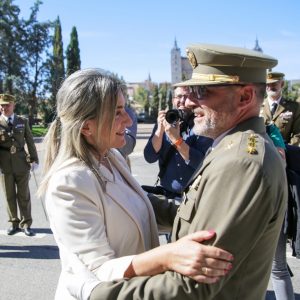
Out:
{"x": 12, "y": 117}
{"x": 271, "y": 102}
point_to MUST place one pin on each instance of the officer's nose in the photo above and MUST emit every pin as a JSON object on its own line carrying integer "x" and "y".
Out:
{"x": 190, "y": 103}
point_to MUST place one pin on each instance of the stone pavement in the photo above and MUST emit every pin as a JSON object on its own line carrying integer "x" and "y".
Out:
{"x": 30, "y": 267}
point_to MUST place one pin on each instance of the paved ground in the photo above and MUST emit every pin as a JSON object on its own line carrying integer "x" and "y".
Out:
{"x": 29, "y": 266}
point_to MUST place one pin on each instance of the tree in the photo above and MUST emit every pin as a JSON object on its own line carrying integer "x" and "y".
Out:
{"x": 57, "y": 70}
{"x": 140, "y": 96}
{"x": 37, "y": 70}
{"x": 155, "y": 101}
{"x": 73, "y": 53}
{"x": 290, "y": 93}
{"x": 11, "y": 46}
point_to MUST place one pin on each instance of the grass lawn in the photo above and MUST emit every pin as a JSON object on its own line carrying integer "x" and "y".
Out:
{"x": 38, "y": 131}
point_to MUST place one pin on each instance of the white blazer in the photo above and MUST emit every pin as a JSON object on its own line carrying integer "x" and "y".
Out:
{"x": 99, "y": 226}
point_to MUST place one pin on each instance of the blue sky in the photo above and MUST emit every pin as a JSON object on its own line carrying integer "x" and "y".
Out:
{"x": 134, "y": 37}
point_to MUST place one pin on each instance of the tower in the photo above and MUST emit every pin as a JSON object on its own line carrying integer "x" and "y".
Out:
{"x": 176, "y": 68}
{"x": 257, "y": 47}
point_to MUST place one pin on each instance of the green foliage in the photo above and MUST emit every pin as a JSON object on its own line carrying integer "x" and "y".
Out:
{"x": 39, "y": 131}
{"x": 291, "y": 93}
{"x": 37, "y": 69}
{"x": 12, "y": 38}
{"x": 154, "y": 104}
{"x": 73, "y": 53}
{"x": 141, "y": 96}
{"x": 57, "y": 66}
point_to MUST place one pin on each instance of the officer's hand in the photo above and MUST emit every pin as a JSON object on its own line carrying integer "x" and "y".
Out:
{"x": 78, "y": 279}
{"x": 34, "y": 166}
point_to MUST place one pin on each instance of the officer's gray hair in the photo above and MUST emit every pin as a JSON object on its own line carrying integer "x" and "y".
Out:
{"x": 84, "y": 95}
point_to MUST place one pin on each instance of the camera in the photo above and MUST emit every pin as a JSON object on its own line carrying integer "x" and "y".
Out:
{"x": 174, "y": 115}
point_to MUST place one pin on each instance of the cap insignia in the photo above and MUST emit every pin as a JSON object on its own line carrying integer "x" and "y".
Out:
{"x": 192, "y": 58}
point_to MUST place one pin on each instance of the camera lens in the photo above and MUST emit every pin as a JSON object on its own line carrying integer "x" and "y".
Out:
{"x": 172, "y": 116}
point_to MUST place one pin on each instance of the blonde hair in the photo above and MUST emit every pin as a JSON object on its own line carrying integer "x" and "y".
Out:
{"x": 84, "y": 95}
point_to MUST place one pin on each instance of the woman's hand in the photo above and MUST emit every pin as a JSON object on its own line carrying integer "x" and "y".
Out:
{"x": 205, "y": 264}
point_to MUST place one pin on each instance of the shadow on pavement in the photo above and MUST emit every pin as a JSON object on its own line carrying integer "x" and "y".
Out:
{"x": 42, "y": 230}
{"x": 271, "y": 296}
{"x": 31, "y": 252}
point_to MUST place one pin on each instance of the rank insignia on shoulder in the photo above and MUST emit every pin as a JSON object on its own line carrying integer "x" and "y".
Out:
{"x": 251, "y": 148}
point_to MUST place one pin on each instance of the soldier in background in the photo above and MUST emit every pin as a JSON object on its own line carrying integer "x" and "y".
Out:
{"x": 16, "y": 164}
{"x": 283, "y": 113}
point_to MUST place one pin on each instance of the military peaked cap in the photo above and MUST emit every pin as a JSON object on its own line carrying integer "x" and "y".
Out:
{"x": 6, "y": 99}
{"x": 274, "y": 77}
{"x": 217, "y": 64}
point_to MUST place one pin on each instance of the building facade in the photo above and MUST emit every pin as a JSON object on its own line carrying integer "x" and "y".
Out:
{"x": 181, "y": 68}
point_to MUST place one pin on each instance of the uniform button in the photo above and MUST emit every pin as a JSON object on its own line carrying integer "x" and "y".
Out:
{"x": 178, "y": 165}
{"x": 176, "y": 153}
{"x": 180, "y": 178}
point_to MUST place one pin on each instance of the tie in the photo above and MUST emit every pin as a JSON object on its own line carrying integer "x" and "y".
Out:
{"x": 274, "y": 107}
{"x": 10, "y": 124}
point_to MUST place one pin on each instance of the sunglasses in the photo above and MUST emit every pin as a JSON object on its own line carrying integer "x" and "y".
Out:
{"x": 201, "y": 91}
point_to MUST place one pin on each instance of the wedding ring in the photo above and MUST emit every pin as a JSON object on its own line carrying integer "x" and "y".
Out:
{"x": 204, "y": 270}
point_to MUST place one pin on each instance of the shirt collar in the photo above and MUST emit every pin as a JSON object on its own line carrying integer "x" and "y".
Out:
{"x": 219, "y": 138}
{"x": 271, "y": 101}
{"x": 11, "y": 116}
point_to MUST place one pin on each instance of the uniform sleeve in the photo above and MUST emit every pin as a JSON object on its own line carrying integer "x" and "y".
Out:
{"x": 30, "y": 144}
{"x": 77, "y": 219}
{"x": 164, "y": 210}
{"x": 295, "y": 139}
{"x": 241, "y": 204}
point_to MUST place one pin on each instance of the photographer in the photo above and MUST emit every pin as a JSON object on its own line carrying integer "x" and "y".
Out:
{"x": 176, "y": 147}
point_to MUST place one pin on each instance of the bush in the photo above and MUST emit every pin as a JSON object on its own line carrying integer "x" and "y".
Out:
{"x": 38, "y": 131}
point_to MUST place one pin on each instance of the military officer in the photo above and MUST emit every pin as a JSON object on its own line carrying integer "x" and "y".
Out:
{"x": 231, "y": 192}
{"x": 15, "y": 164}
{"x": 283, "y": 113}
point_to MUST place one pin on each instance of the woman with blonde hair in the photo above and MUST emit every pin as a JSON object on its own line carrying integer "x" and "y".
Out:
{"x": 97, "y": 210}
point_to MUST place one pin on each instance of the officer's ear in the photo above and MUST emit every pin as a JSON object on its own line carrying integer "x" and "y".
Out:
{"x": 247, "y": 95}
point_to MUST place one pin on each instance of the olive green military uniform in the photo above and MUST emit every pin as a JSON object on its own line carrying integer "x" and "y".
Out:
{"x": 15, "y": 165}
{"x": 286, "y": 116}
{"x": 239, "y": 190}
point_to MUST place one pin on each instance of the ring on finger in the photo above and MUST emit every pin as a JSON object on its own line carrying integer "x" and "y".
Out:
{"x": 204, "y": 270}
